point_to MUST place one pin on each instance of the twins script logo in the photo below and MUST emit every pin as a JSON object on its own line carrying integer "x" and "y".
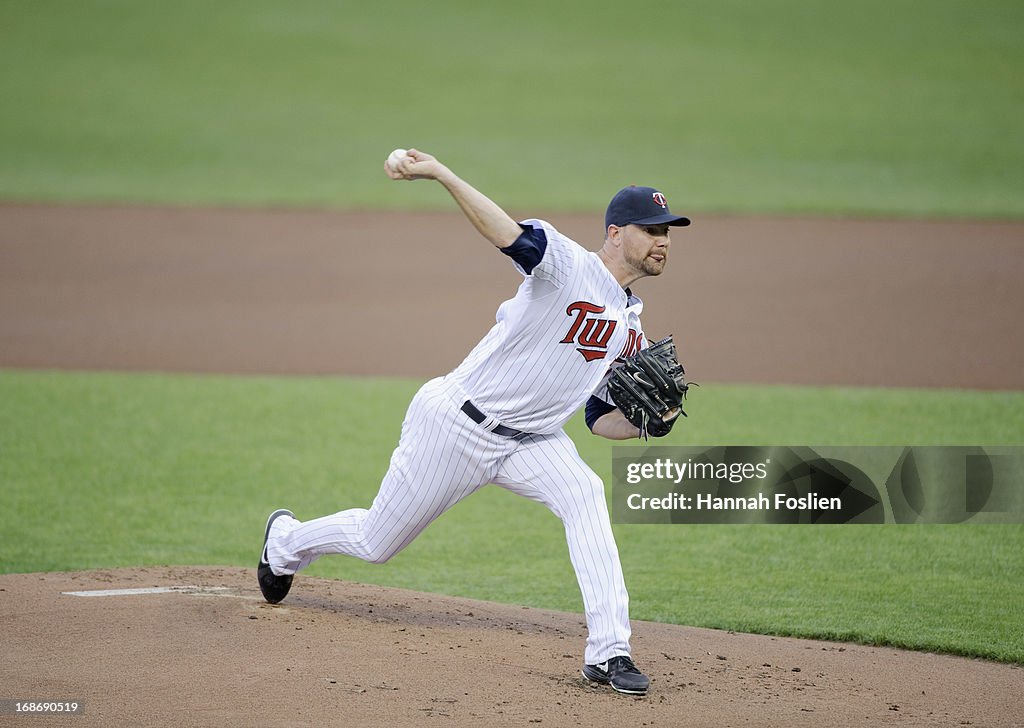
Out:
{"x": 592, "y": 334}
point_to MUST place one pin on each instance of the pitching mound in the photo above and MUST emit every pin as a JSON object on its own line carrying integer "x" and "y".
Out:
{"x": 188, "y": 646}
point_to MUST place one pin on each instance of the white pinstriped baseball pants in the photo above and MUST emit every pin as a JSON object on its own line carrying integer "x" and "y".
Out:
{"x": 442, "y": 457}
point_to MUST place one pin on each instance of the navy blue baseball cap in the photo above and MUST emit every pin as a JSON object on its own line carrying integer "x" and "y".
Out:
{"x": 640, "y": 206}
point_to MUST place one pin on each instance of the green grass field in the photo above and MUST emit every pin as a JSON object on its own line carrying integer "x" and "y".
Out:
{"x": 881, "y": 107}
{"x": 105, "y": 470}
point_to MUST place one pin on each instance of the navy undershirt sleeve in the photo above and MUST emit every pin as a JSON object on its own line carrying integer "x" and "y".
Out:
{"x": 528, "y": 249}
{"x": 596, "y": 409}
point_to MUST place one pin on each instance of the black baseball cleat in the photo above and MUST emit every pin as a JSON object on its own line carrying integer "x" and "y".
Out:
{"x": 274, "y": 587}
{"x": 620, "y": 673}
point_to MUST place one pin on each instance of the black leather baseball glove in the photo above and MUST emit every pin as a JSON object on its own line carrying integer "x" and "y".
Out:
{"x": 649, "y": 388}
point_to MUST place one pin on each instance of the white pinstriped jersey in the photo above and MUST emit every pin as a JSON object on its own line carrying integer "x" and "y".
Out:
{"x": 553, "y": 343}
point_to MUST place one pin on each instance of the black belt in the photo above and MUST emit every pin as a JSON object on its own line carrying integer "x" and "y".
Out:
{"x": 479, "y": 417}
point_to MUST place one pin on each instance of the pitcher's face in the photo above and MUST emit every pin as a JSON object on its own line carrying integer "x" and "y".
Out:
{"x": 645, "y": 248}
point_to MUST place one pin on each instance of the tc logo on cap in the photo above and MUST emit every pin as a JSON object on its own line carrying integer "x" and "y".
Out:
{"x": 660, "y": 200}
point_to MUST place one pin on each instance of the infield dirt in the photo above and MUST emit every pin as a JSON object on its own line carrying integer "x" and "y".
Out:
{"x": 801, "y": 301}
{"x": 342, "y": 654}
{"x": 892, "y": 303}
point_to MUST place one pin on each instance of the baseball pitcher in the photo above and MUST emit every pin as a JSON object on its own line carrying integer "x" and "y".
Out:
{"x": 569, "y": 338}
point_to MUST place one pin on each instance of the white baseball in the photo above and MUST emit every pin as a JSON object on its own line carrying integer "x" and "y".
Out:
{"x": 395, "y": 158}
